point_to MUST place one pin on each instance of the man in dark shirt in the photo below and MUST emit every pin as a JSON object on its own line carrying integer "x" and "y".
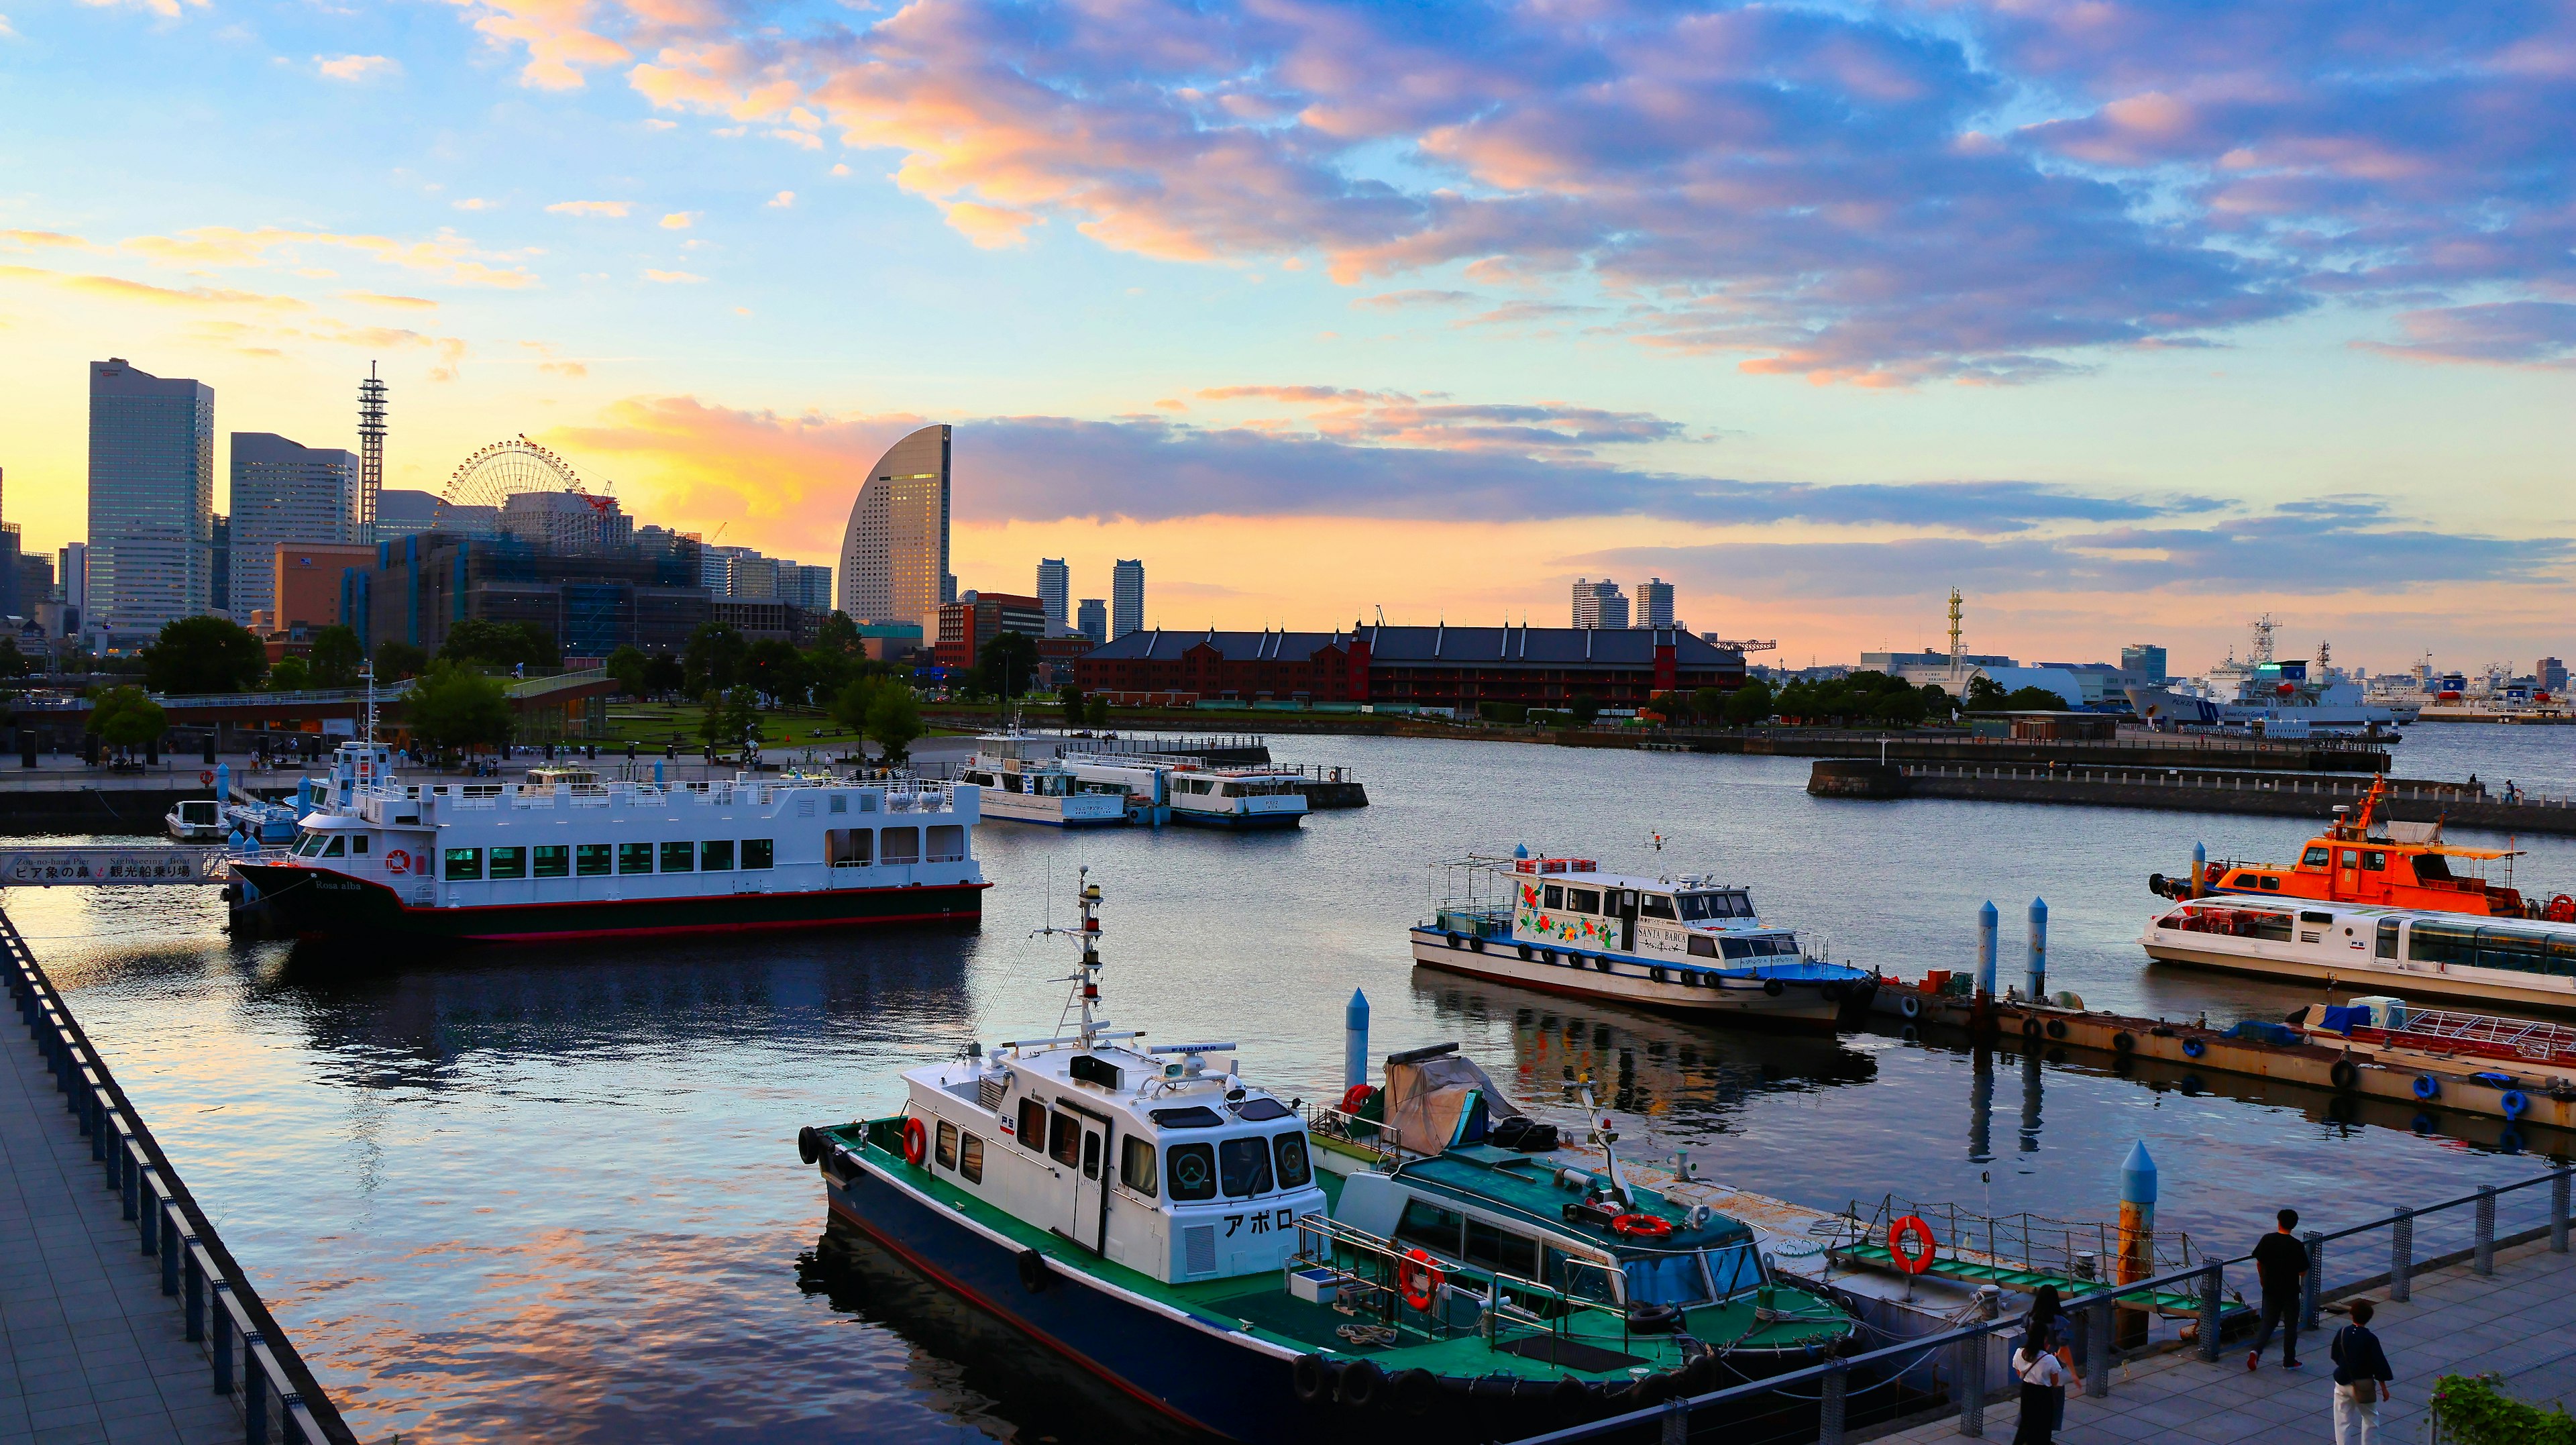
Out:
{"x": 2279, "y": 1261}
{"x": 2361, "y": 1377}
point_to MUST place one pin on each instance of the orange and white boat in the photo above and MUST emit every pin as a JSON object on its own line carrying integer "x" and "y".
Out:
{"x": 2365, "y": 859}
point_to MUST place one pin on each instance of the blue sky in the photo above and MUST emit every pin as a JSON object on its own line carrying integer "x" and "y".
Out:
{"x": 2131, "y": 320}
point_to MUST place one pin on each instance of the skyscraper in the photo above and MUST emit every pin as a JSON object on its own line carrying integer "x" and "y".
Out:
{"x": 894, "y": 558}
{"x": 1054, "y": 583}
{"x": 284, "y": 495}
{"x": 151, "y": 497}
{"x": 2145, "y": 659}
{"x": 1126, "y": 598}
{"x": 813, "y": 586}
{"x": 1599, "y": 604}
{"x": 1654, "y": 603}
{"x": 1092, "y": 620}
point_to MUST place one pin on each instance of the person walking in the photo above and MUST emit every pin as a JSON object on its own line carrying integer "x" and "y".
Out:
{"x": 2043, "y": 1376}
{"x": 2280, "y": 1261}
{"x": 2361, "y": 1377}
{"x": 2047, "y": 1322}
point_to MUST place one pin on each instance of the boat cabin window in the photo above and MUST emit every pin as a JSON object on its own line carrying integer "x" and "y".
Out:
{"x": 510, "y": 862}
{"x": 1583, "y": 900}
{"x": 716, "y": 856}
{"x": 552, "y": 860}
{"x": 759, "y": 852}
{"x": 1760, "y": 946}
{"x": 464, "y": 864}
{"x": 2270, "y": 882}
{"x": 1582, "y": 1278}
{"x": 590, "y": 860}
{"x": 1553, "y": 896}
{"x": 850, "y": 847}
{"x": 946, "y": 1145}
{"x": 1091, "y": 1155}
{"x": 1290, "y": 1151}
{"x": 1193, "y": 1171}
{"x": 679, "y": 857}
{"x": 358, "y": 845}
{"x": 1702, "y": 907}
{"x": 970, "y": 1158}
{"x": 1497, "y": 1248}
{"x": 1733, "y": 1270}
{"x": 2373, "y": 861}
{"x": 1032, "y": 1124}
{"x": 1260, "y": 1111}
{"x": 2388, "y": 938}
{"x": 902, "y": 845}
{"x": 1064, "y": 1139}
{"x": 1136, "y": 1165}
{"x": 2311, "y": 916}
{"x": 1192, "y": 1116}
{"x": 1667, "y": 1279}
{"x": 1656, "y": 905}
{"x": 947, "y": 843}
{"x": 2431, "y": 868}
{"x": 1703, "y": 946}
{"x": 1243, "y": 1166}
{"x": 1427, "y": 1224}
{"x": 2313, "y": 858}
{"x": 634, "y": 857}
{"x": 338, "y": 844}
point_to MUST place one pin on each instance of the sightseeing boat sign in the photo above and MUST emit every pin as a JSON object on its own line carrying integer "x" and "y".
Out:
{"x": 46, "y": 867}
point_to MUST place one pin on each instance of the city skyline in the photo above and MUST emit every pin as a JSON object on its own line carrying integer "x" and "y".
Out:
{"x": 2144, "y": 318}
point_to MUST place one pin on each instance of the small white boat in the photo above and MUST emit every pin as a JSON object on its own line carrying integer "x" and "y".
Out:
{"x": 197, "y": 820}
{"x": 2418, "y": 953}
{"x": 1234, "y": 798}
{"x": 1024, "y": 782}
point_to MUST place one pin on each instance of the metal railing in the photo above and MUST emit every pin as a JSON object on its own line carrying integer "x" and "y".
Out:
{"x": 1824, "y": 1398}
{"x": 252, "y": 1360}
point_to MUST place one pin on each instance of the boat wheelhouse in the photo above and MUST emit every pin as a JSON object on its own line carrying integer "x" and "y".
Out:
{"x": 380, "y": 859}
{"x": 1684, "y": 942}
{"x": 197, "y": 820}
{"x": 1153, "y": 1216}
{"x": 2528, "y": 963}
{"x": 1024, "y": 782}
{"x": 2365, "y": 858}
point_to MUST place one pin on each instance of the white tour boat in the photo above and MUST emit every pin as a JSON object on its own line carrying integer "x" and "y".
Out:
{"x": 1677, "y": 942}
{"x": 1025, "y": 782}
{"x": 197, "y": 820}
{"x": 1234, "y": 798}
{"x": 378, "y": 859}
{"x": 2418, "y": 953}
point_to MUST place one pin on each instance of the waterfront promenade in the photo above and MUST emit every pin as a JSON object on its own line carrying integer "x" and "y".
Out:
{"x": 2513, "y": 1323}
{"x": 94, "y": 1350}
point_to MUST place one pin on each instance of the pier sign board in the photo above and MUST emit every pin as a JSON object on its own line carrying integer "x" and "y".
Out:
{"x": 47, "y": 867}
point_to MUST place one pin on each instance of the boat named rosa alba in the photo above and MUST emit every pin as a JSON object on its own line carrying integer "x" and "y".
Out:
{"x": 379, "y": 859}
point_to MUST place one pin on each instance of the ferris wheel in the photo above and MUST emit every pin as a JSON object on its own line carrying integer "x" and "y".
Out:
{"x": 485, "y": 481}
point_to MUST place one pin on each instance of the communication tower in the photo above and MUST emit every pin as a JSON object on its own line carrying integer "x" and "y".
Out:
{"x": 371, "y": 451}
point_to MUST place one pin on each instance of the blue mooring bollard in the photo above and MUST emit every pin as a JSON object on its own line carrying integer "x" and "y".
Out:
{"x": 1355, "y": 1021}
{"x": 2038, "y": 949}
{"x": 1988, "y": 923}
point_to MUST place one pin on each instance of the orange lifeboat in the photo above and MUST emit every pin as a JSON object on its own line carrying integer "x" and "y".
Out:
{"x": 2363, "y": 859}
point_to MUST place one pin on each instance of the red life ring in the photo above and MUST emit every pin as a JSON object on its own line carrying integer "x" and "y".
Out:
{"x": 1419, "y": 1279}
{"x": 2562, "y": 909}
{"x": 1910, "y": 1228}
{"x": 398, "y": 861}
{"x": 207, "y": 776}
{"x": 1356, "y": 1098}
{"x": 1641, "y": 1226}
{"x": 916, "y": 1142}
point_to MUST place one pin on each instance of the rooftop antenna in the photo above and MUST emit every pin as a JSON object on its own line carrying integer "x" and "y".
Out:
{"x": 1086, "y": 933}
{"x": 371, "y": 453}
{"x": 367, "y": 672}
{"x": 1381, "y": 614}
{"x": 1604, "y": 1135}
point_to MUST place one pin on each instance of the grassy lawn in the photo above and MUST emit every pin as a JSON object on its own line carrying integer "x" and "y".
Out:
{"x": 652, "y": 724}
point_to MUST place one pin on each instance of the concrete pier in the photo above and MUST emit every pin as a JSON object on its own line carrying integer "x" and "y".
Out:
{"x": 2191, "y": 790}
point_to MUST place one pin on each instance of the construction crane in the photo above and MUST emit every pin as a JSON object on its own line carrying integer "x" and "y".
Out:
{"x": 1748, "y": 645}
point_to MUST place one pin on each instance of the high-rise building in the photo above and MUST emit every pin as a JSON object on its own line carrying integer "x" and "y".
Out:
{"x": 813, "y": 587}
{"x": 1654, "y": 604}
{"x": 71, "y": 573}
{"x": 1092, "y": 620}
{"x": 402, "y": 512}
{"x": 967, "y": 624}
{"x": 894, "y": 557}
{"x": 1126, "y": 597}
{"x": 1055, "y": 583}
{"x": 2551, "y": 674}
{"x": 283, "y": 495}
{"x": 219, "y": 575}
{"x": 1599, "y": 604}
{"x": 151, "y": 498}
{"x": 2144, "y": 659}
{"x": 567, "y": 523}
{"x": 754, "y": 578}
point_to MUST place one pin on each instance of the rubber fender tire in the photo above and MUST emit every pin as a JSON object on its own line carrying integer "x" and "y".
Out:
{"x": 1034, "y": 1271}
{"x": 1412, "y": 1392}
{"x": 2030, "y": 1028}
{"x": 2514, "y": 1103}
{"x": 1774, "y": 987}
{"x": 1910, "y": 1006}
{"x": 1361, "y": 1384}
{"x": 809, "y": 1145}
{"x": 1475, "y": 945}
{"x": 2057, "y": 1028}
{"x": 2344, "y": 1074}
{"x": 1456, "y": 941}
{"x": 2427, "y": 1087}
{"x": 2122, "y": 1044}
{"x": 1654, "y": 1320}
{"x": 1311, "y": 1378}
{"x": 1574, "y": 1399}
{"x": 1525, "y": 952}
{"x": 1830, "y": 992}
{"x": 2194, "y": 1048}
{"x": 2156, "y": 885}
{"x": 1654, "y": 1389}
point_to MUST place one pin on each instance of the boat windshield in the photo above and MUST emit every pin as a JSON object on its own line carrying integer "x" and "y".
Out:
{"x": 1696, "y": 1278}
{"x": 1703, "y": 907}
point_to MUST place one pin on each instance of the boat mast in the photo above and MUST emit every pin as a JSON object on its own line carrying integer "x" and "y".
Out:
{"x": 1086, "y": 933}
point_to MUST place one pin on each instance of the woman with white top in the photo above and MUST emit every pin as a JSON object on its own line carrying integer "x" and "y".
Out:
{"x": 2044, "y": 1375}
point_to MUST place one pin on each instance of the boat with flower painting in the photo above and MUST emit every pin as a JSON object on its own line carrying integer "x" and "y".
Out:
{"x": 1682, "y": 942}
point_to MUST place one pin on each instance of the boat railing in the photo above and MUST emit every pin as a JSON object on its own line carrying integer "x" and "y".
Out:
{"x": 1367, "y": 1135}
{"x": 1368, "y": 1275}
{"x": 2072, "y": 1249}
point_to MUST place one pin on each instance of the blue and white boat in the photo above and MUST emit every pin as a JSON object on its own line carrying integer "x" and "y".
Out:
{"x": 1681, "y": 942}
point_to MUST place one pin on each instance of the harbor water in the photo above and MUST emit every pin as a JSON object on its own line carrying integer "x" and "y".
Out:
{"x": 514, "y": 1193}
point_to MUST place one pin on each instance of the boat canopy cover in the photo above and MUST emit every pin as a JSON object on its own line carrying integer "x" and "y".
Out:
{"x": 2416, "y": 833}
{"x": 1437, "y": 1102}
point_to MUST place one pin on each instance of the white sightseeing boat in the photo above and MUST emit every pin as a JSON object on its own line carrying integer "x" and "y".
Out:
{"x": 2417, "y": 953}
{"x": 1233, "y": 798}
{"x": 1676, "y": 942}
{"x": 1025, "y": 782}
{"x": 377, "y": 858}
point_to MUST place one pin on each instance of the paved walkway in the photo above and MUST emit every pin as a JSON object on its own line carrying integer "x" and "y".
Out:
{"x": 2513, "y": 1323}
{"x": 90, "y": 1349}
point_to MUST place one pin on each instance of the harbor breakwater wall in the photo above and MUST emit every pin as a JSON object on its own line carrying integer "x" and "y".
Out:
{"x": 2190, "y": 790}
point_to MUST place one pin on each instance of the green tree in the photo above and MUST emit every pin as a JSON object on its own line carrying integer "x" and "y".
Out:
{"x": 732, "y": 720}
{"x": 1096, "y": 711}
{"x": 714, "y": 659}
{"x": 500, "y": 644}
{"x": 1938, "y": 705}
{"x": 203, "y": 654}
{"x": 453, "y": 707}
{"x": 2035, "y": 699}
{"x": 849, "y": 707}
{"x": 337, "y": 654}
{"x": 663, "y": 675}
{"x": 1711, "y": 702}
{"x": 838, "y": 634}
{"x": 126, "y": 717}
{"x": 1984, "y": 694}
{"x": 1071, "y": 698}
{"x": 290, "y": 674}
{"x": 829, "y": 669}
{"x": 1749, "y": 704}
{"x": 397, "y": 660}
{"x": 776, "y": 670}
{"x": 13, "y": 663}
{"x": 1585, "y": 708}
{"x": 894, "y": 720}
{"x": 627, "y": 666}
{"x": 1008, "y": 667}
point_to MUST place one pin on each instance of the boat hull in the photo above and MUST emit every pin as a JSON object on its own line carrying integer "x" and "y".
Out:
{"x": 316, "y": 903}
{"x": 1236, "y": 822}
{"x": 1049, "y": 812}
{"x": 1797, "y": 1004}
{"x": 2410, "y": 983}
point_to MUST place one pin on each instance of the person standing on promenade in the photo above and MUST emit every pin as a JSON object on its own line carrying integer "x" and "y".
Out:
{"x": 2279, "y": 1261}
{"x": 2043, "y": 1378}
{"x": 2361, "y": 1377}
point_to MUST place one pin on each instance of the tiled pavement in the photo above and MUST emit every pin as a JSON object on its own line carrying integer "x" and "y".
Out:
{"x": 2513, "y": 1323}
{"x": 90, "y": 1349}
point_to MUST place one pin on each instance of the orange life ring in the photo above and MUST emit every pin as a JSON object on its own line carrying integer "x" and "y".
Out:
{"x": 1910, "y": 1228}
{"x": 1641, "y": 1226}
{"x": 398, "y": 861}
{"x": 1356, "y": 1097}
{"x": 916, "y": 1142}
{"x": 207, "y": 776}
{"x": 2562, "y": 909}
{"x": 1419, "y": 1279}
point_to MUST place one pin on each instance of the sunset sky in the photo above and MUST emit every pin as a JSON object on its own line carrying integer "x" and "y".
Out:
{"x": 2132, "y": 321}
